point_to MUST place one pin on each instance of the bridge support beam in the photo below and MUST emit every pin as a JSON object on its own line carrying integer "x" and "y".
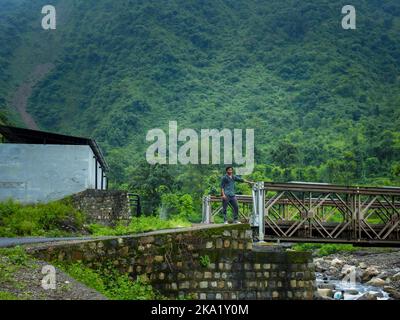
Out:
{"x": 258, "y": 218}
{"x": 207, "y": 215}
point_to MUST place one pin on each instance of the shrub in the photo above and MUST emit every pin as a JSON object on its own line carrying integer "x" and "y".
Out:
{"x": 176, "y": 205}
{"x": 205, "y": 261}
{"x": 328, "y": 249}
{"x": 61, "y": 219}
{"x": 325, "y": 249}
{"x": 55, "y": 218}
{"x": 108, "y": 281}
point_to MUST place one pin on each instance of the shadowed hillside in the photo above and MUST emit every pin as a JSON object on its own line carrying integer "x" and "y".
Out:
{"x": 324, "y": 102}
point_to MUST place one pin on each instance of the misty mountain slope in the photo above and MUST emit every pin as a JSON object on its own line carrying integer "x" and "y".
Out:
{"x": 311, "y": 90}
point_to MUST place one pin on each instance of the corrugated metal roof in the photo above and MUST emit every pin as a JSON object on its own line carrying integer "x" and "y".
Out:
{"x": 29, "y": 136}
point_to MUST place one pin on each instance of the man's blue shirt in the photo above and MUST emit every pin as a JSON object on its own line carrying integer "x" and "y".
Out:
{"x": 228, "y": 184}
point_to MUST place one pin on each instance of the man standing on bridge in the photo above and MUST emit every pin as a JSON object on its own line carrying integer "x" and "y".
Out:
{"x": 228, "y": 193}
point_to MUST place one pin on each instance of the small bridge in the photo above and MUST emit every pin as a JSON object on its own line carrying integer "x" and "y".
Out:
{"x": 314, "y": 212}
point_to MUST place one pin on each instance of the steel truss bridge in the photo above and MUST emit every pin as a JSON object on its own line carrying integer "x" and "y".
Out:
{"x": 313, "y": 212}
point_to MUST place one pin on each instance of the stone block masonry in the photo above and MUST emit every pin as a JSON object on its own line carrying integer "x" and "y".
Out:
{"x": 107, "y": 207}
{"x": 205, "y": 262}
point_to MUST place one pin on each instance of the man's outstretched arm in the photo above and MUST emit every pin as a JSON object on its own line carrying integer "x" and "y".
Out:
{"x": 243, "y": 180}
{"x": 248, "y": 181}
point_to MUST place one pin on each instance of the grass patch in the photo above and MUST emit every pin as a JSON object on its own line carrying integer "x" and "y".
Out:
{"x": 111, "y": 283}
{"x": 17, "y": 256}
{"x": 325, "y": 249}
{"x": 11, "y": 261}
{"x": 138, "y": 225}
{"x": 53, "y": 219}
{"x": 7, "y": 296}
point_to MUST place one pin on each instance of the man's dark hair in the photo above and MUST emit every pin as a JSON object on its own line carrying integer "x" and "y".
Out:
{"x": 227, "y": 168}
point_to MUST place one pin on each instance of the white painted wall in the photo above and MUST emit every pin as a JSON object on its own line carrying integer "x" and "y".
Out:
{"x": 40, "y": 173}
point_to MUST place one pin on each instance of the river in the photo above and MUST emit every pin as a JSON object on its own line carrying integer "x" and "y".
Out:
{"x": 353, "y": 291}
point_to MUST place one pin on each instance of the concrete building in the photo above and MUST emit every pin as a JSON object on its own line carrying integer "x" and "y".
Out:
{"x": 37, "y": 166}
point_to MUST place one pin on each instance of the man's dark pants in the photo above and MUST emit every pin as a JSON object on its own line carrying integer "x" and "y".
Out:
{"x": 233, "y": 202}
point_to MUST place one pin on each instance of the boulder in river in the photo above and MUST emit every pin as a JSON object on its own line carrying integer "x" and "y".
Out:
{"x": 369, "y": 273}
{"x": 326, "y": 286}
{"x": 320, "y": 265}
{"x": 352, "y": 292}
{"x": 325, "y": 292}
{"x": 393, "y": 293}
{"x": 337, "y": 263}
{"x": 383, "y": 275}
{"x": 377, "y": 294}
{"x": 396, "y": 277}
{"x": 347, "y": 269}
{"x": 367, "y": 296}
{"x": 351, "y": 272}
{"x": 363, "y": 265}
{"x": 376, "y": 282}
{"x": 333, "y": 271}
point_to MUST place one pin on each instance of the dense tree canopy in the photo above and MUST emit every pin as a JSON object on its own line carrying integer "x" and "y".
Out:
{"x": 323, "y": 101}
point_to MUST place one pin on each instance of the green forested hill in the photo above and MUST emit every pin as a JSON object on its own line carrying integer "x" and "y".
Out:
{"x": 324, "y": 102}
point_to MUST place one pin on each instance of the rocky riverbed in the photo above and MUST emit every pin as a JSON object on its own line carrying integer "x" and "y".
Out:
{"x": 367, "y": 274}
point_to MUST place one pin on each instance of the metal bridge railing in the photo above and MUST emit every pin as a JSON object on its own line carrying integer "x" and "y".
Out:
{"x": 318, "y": 212}
{"x": 212, "y": 206}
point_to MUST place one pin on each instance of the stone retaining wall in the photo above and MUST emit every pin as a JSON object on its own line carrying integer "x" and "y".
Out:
{"x": 202, "y": 262}
{"x": 107, "y": 207}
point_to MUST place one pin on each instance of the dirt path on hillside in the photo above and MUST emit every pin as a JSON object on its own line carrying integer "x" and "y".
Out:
{"x": 23, "y": 281}
{"x": 20, "y": 99}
